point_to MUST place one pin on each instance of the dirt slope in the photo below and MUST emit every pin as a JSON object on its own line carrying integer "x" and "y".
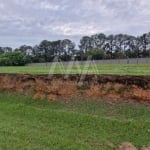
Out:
{"x": 111, "y": 87}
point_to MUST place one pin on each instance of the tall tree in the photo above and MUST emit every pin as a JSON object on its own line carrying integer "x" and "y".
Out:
{"x": 98, "y": 40}
{"x": 85, "y": 43}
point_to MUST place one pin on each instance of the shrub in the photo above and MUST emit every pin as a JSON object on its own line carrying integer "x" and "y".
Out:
{"x": 12, "y": 59}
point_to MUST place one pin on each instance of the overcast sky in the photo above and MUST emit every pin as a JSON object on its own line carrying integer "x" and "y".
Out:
{"x": 30, "y": 21}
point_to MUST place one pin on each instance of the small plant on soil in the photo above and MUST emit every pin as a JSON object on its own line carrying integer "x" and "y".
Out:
{"x": 121, "y": 89}
{"x": 111, "y": 88}
{"x": 83, "y": 87}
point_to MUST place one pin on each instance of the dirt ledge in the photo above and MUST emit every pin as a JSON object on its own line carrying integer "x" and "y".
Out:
{"x": 112, "y": 87}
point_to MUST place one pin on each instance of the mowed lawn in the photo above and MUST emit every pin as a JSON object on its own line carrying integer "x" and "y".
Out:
{"x": 27, "y": 124}
{"x": 124, "y": 69}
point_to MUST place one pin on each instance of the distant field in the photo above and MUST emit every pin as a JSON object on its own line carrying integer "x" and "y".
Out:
{"x": 124, "y": 69}
{"x": 84, "y": 125}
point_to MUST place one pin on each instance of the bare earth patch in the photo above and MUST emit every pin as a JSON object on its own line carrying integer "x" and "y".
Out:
{"x": 127, "y": 146}
{"x": 111, "y": 87}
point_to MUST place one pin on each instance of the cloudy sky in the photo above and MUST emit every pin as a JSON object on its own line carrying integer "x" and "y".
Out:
{"x": 30, "y": 21}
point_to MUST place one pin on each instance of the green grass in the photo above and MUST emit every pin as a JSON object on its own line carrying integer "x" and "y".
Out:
{"x": 130, "y": 69}
{"x": 26, "y": 124}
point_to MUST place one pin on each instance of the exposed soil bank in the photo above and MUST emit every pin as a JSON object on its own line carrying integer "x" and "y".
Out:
{"x": 111, "y": 87}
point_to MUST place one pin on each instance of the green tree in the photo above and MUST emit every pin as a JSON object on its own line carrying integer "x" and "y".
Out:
{"x": 12, "y": 59}
{"x": 96, "y": 54}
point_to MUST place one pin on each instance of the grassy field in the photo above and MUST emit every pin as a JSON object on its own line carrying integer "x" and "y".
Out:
{"x": 83, "y": 125}
{"x": 130, "y": 69}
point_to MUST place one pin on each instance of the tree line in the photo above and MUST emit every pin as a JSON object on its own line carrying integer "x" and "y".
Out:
{"x": 97, "y": 46}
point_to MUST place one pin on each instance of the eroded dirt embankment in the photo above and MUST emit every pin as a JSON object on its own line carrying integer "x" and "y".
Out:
{"x": 111, "y": 87}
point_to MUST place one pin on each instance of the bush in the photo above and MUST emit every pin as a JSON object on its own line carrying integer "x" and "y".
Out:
{"x": 96, "y": 54}
{"x": 12, "y": 59}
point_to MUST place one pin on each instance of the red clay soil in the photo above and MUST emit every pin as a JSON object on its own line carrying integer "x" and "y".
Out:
{"x": 111, "y": 87}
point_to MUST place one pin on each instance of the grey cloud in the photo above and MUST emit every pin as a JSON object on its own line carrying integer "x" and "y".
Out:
{"x": 29, "y": 21}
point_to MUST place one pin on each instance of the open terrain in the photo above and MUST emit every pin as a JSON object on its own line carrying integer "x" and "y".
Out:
{"x": 129, "y": 69}
{"x": 88, "y": 111}
{"x": 70, "y": 125}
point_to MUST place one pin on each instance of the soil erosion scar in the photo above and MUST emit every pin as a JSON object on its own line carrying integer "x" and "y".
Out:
{"x": 111, "y": 87}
